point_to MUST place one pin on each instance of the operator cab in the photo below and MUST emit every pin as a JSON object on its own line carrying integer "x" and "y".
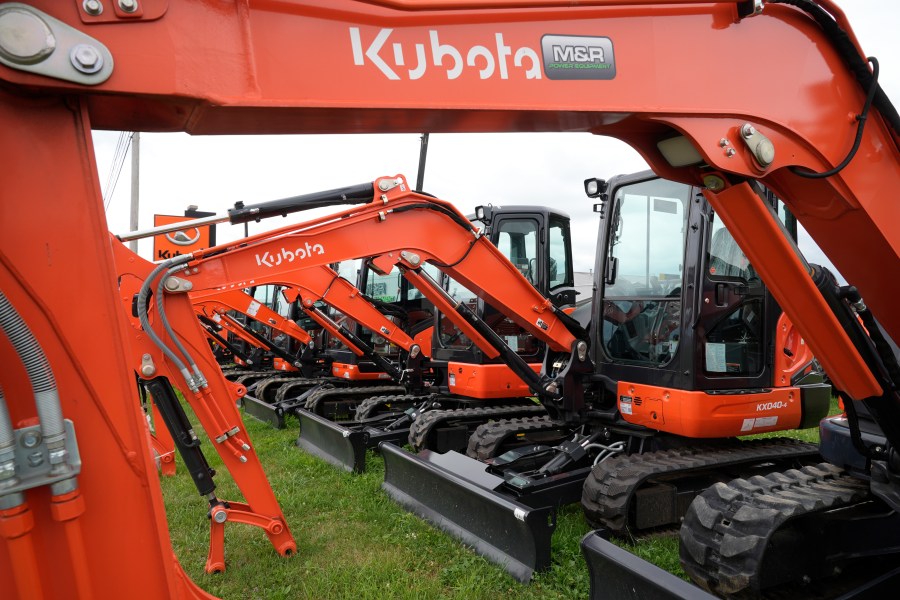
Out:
{"x": 678, "y": 304}
{"x": 537, "y": 240}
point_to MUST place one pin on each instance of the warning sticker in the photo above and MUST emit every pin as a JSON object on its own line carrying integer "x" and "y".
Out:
{"x": 751, "y": 424}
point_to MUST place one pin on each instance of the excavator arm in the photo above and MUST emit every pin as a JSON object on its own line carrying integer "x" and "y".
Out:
{"x": 220, "y": 302}
{"x": 403, "y": 229}
{"x": 496, "y": 66}
{"x": 779, "y": 89}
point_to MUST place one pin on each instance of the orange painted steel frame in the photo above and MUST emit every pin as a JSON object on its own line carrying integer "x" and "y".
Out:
{"x": 221, "y": 301}
{"x": 701, "y": 415}
{"x": 401, "y": 222}
{"x": 352, "y": 373}
{"x": 239, "y": 68}
{"x": 214, "y": 405}
{"x": 235, "y": 327}
{"x": 487, "y": 381}
{"x": 272, "y": 85}
{"x": 696, "y": 414}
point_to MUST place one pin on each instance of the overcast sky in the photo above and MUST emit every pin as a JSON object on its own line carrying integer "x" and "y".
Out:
{"x": 177, "y": 170}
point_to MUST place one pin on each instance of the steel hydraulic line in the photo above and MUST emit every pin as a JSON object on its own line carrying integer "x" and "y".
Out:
{"x": 66, "y": 502}
{"x": 43, "y": 383}
{"x": 145, "y": 320}
{"x": 7, "y": 451}
{"x": 13, "y": 510}
{"x": 197, "y": 382}
{"x": 199, "y": 378}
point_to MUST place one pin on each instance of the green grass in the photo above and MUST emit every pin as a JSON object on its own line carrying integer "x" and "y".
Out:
{"x": 354, "y": 542}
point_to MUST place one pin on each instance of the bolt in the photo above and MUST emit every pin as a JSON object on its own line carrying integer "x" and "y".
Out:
{"x": 128, "y": 6}
{"x": 31, "y": 439}
{"x": 35, "y": 459}
{"x": 724, "y": 142}
{"x": 25, "y": 38}
{"x": 92, "y": 7}
{"x": 220, "y": 516}
{"x": 86, "y": 59}
{"x": 730, "y": 152}
{"x": 747, "y": 130}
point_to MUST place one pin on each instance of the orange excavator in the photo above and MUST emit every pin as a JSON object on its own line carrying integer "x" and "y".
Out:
{"x": 310, "y": 366}
{"x": 468, "y": 383}
{"x": 221, "y": 309}
{"x": 817, "y": 131}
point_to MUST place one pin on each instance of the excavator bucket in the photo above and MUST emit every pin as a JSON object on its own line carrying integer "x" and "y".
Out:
{"x": 454, "y": 493}
{"x": 617, "y": 574}
{"x": 332, "y": 442}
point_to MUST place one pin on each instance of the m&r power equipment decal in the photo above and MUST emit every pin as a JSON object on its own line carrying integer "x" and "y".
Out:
{"x": 578, "y": 57}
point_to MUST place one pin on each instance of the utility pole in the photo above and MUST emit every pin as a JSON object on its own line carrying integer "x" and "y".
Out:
{"x": 135, "y": 183}
{"x": 423, "y": 152}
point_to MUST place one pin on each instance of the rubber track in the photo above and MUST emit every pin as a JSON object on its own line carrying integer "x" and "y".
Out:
{"x": 317, "y": 399}
{"x": 611, "y": 484}
{"x": 427, "y": 421}
{"x": 488, "y": 438}
{"x": 279, "y": 380}
{"x": 241, "y": 376}
{"x": 282, "y": 394}
{"x": 727, "y": 528}
{"x": 369, "y": 406}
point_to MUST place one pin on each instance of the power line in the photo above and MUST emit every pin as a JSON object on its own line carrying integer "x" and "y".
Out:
{"x": 118, "y": 161}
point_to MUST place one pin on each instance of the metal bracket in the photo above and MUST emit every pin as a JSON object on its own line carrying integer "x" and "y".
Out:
{"x": 177, "y": 284}
{"x": 32, "y": 459}
{"x": 35, "y": 42}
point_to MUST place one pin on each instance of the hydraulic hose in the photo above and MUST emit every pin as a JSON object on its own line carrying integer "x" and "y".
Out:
{"x": 161, "y": 309}
{"x": 145, "y": 319}
{"x": 7, "y": 434}
{"x": 7, "y": 458}
{"x": 43, "y": 383}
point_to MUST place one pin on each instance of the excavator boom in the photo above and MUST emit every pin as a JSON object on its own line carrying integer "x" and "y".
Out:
{"x": 785, "y": 90}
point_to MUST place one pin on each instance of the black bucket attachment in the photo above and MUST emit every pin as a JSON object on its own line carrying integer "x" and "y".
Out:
{"x": 617, "y": 574}
{"x": 454, "y": 493}
{"x": 342, "y": 444}
{"x": 330, "y": 441}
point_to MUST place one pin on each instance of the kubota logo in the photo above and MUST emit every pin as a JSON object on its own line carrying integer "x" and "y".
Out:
{"x": 489, "y": 59}
{"x": 285, "y": 255}
{"x": 187, "y": 237}
{"x": 770, "y": 405}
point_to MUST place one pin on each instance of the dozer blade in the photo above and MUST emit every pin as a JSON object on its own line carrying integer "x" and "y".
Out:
{"x": 262, "y": 411}
{"x": 617, "y": 574}
{"x": 333, "y": 443}
{"x": 454, "y": 493}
